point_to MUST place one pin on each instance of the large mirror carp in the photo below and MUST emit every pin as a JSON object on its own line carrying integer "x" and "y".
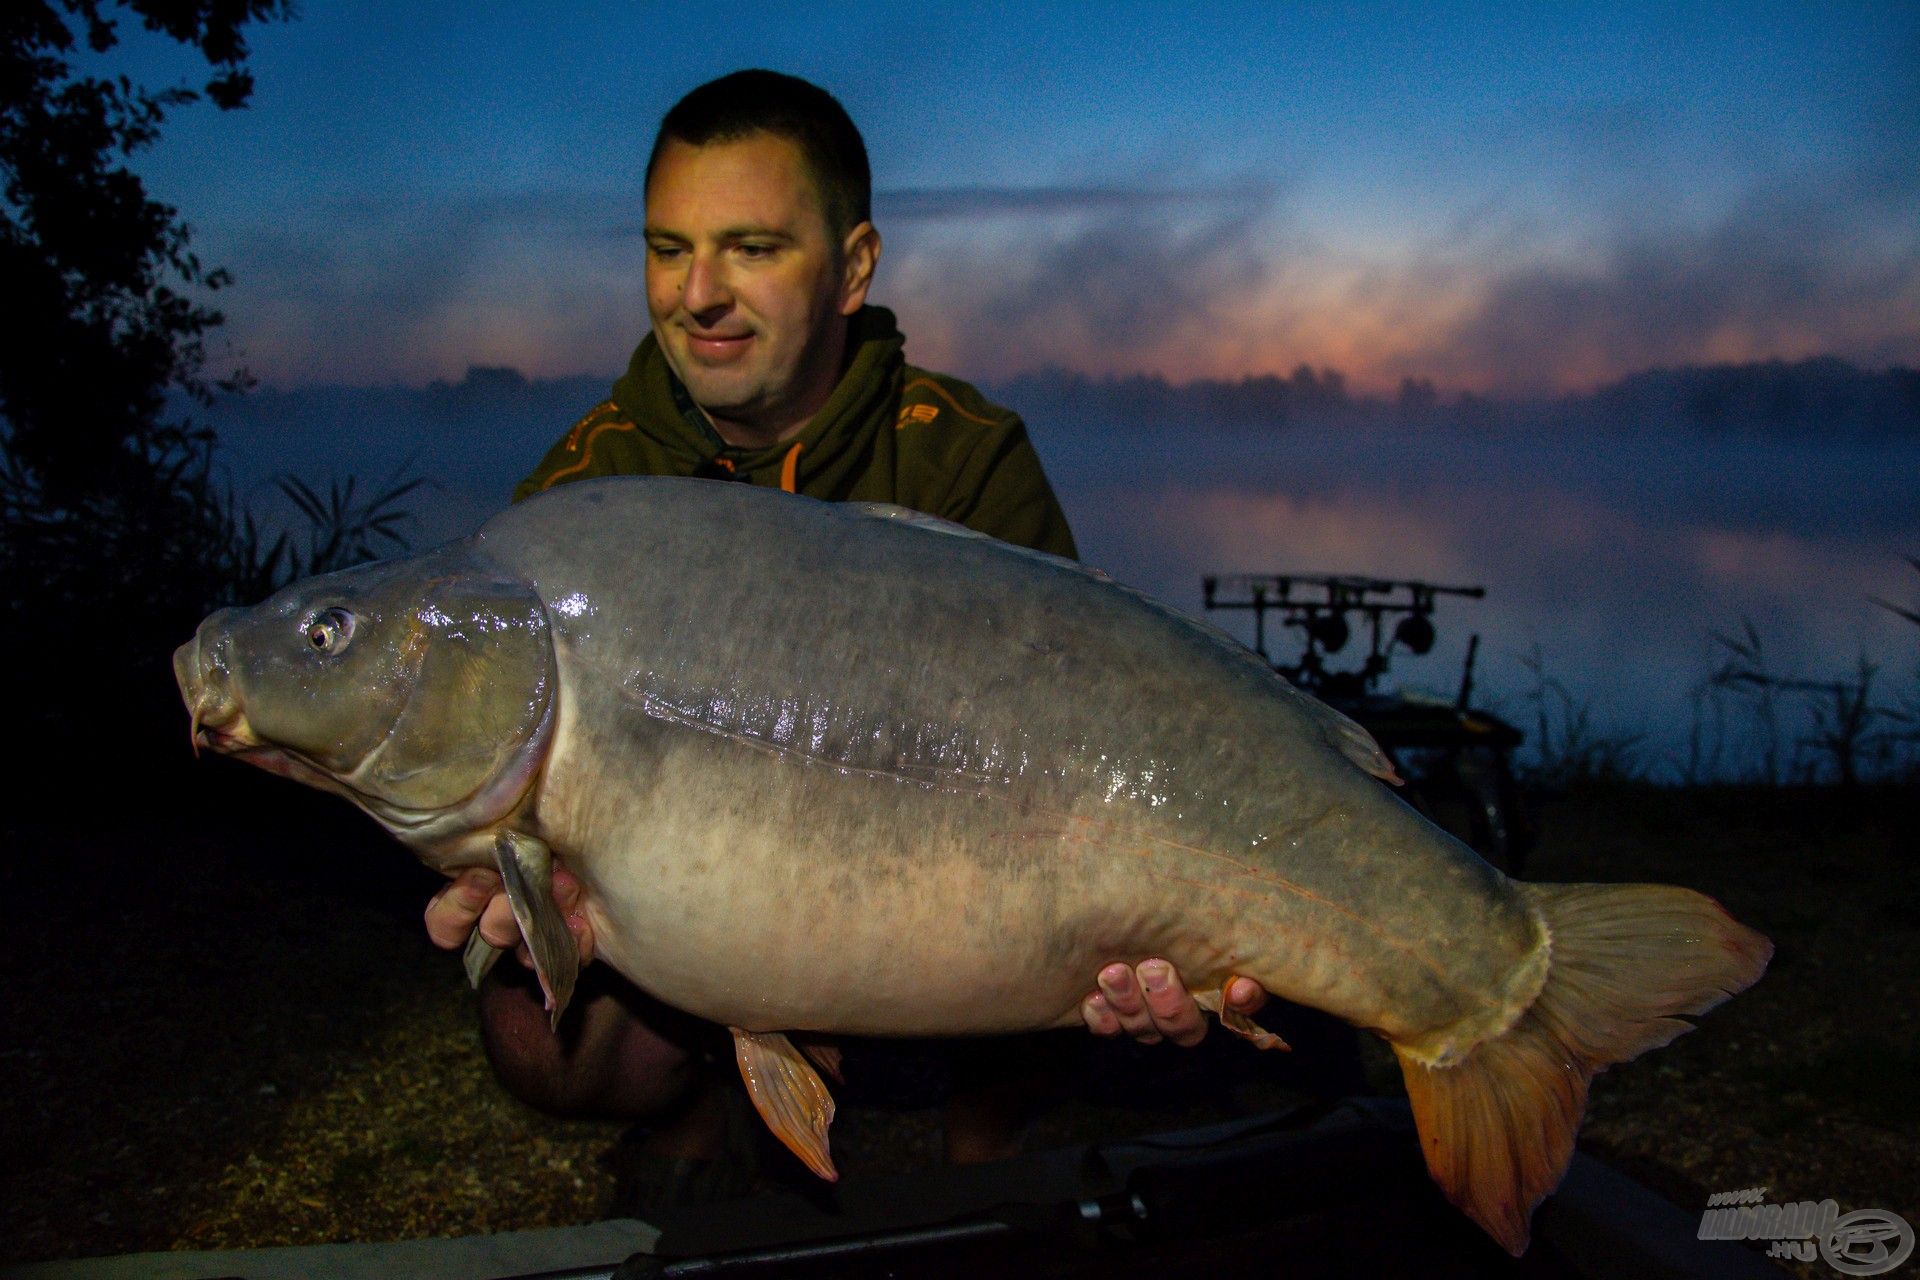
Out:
{"x": 844, "y": 768}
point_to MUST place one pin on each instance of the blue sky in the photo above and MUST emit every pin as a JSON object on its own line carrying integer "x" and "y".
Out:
{"x": 1505, "y": 198}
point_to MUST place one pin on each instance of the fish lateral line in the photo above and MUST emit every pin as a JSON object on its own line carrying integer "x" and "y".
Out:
{"x": 932, "y": 777}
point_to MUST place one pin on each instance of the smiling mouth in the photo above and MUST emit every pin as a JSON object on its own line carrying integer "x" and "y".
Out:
{"x": 720, "y": 345}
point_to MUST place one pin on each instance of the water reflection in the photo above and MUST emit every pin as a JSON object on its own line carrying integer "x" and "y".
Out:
{"x": 1616, "y": 556}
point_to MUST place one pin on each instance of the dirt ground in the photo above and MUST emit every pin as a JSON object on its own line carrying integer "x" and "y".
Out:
{"x": 225, "y": 1028}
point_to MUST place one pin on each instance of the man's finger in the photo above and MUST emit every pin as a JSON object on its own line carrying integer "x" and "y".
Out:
{"x": 566, "y": 891}
{"x": 1244, "y": 995}
{"x": 1098, "y": 1015}
{"x": 497, "y": 924}
{"x": 1174, "y": 1013}
{"x": 573, "y": 900}
{"x": 452, "y": 912}
{"x": 1123, "y": 996}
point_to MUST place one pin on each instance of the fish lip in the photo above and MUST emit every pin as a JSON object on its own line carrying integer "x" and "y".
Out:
{"x": 226, "y": 741}
{"x": 218, "y": 724}
{"x": 202, "y": 671}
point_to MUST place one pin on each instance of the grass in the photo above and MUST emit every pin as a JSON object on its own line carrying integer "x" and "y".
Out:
{"x": 1858, "y": 1079}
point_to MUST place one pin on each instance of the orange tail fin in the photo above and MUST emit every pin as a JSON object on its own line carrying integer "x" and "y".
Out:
{"x": 1625, "y": 962}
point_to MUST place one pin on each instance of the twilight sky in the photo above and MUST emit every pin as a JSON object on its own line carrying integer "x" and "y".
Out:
{"x": 1501, "y": 198}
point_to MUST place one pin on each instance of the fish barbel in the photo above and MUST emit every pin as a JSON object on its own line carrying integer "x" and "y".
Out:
{"x": 845, "y": 768}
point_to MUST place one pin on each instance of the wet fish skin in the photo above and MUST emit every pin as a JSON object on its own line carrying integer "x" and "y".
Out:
{"x": 841, "y": 769}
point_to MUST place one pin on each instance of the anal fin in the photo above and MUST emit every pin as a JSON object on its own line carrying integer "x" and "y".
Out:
{"x": 789, "y": 1095}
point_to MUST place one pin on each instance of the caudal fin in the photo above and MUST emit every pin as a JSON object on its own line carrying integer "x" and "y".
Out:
{"x": 1625, "y": 962}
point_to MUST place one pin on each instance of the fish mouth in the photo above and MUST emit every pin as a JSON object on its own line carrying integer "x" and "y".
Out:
{"x": 220, "y": 726}
{"x": 216, "y": 720}
{"x": 230, "y": 737}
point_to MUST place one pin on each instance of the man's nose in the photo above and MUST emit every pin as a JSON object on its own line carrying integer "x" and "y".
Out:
{"x": 706, "y": 287}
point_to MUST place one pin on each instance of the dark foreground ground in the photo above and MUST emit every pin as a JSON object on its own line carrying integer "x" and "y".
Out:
{"x": 224, "y": 1027}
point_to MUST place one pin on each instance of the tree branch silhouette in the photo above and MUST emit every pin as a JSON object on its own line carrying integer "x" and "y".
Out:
{"x": 115, "y": 536}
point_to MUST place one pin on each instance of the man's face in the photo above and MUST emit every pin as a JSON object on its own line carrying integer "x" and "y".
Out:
{"x": 746, "y": 285}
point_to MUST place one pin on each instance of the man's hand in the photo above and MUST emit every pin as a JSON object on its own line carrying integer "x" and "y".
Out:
{"x": 474, "y": 899}
{"x": 1149, "y": 1003}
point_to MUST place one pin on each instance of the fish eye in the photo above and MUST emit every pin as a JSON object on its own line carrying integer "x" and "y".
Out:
{"x": 329, "y": 630}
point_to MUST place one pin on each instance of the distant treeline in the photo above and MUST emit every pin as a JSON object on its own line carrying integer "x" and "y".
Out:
{"x": 1819, "y": 394}
{"x": 1823, "y": 395}
{"x": 502, "y": 408}
{"x": 549, "y": 405}
{"x": 1149, "y": 399}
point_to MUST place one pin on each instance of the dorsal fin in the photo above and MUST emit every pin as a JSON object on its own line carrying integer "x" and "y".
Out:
{"x": 1350, "y": 740}
{"x": 907, "y": 515}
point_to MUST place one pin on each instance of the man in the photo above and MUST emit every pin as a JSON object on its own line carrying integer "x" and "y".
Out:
{"x": 765, "y": 365}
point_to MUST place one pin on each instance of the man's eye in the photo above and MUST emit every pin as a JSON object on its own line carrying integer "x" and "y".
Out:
{"x": 750, "y": 250}
{"x": 664, "y": 251}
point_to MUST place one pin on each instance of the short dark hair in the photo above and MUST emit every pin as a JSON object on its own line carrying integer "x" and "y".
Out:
{"x": 748, "y": 102}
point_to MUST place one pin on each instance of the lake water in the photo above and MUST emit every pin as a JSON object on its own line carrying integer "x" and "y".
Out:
{"x": 1616, "y": 556}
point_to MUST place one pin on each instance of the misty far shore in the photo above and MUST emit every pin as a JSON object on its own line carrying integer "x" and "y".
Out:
{"x": 1820, "y": 395}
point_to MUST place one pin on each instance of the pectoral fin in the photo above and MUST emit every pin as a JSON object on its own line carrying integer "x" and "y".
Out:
{"x": 789, "y": 1095}
{"x": 526, "y": 870}
{"x": 1240, "y": 1024}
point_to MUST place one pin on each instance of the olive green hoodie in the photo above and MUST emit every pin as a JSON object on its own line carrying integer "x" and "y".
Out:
{"x": 888, "y": 433}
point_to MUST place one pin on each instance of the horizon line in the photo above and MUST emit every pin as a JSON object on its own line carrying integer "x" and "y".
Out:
{"x": 1302, "y": 372}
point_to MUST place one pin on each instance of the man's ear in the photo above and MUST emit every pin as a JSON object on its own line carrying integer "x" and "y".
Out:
{"x": 860, "y": 252}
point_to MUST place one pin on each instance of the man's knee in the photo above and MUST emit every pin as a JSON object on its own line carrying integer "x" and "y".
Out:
{"x": 604, "y": 1061}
